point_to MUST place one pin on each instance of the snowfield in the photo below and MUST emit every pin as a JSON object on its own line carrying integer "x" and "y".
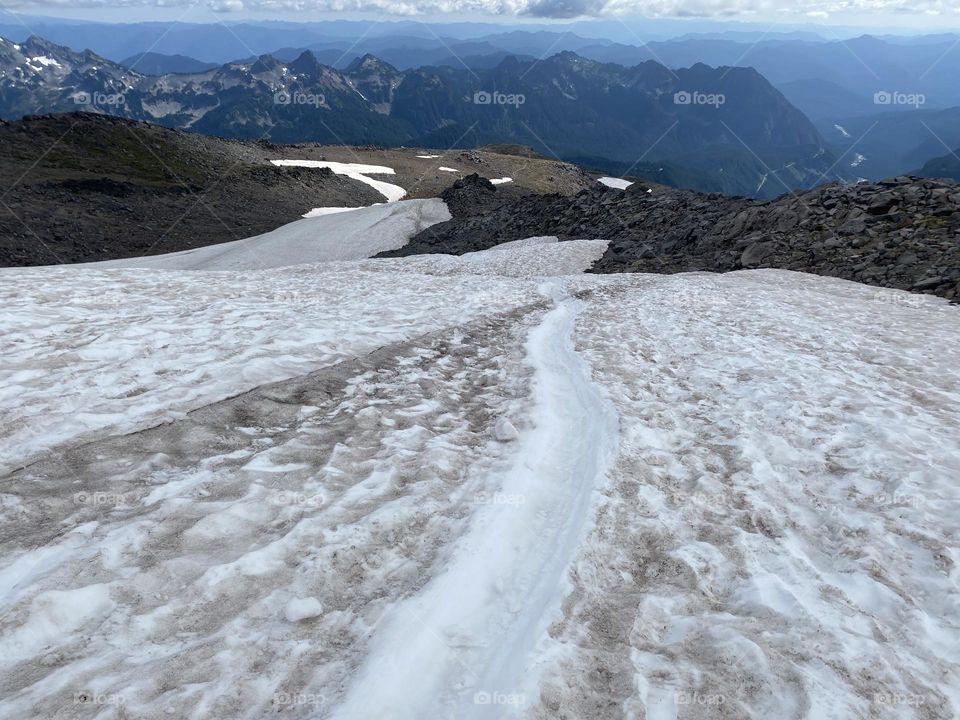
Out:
{"x": 338, "y": 235}
{"x": 486, "y": 486}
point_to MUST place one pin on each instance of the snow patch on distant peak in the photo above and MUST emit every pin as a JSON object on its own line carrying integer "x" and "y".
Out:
{"x": 44, "y": 60}
{"x": 500, "y": 181}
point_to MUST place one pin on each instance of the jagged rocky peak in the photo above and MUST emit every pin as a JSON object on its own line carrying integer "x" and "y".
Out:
{"x": 266, "y": 63}
{"x": 37, "y": 43}
{"x": 305, "y": 64}
{"x": 370, "y": 63}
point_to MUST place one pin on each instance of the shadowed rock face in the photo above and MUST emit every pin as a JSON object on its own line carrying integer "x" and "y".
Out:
{"x": 900, "y": 233}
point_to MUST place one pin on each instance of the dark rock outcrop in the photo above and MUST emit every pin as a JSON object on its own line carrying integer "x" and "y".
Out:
{"x": 899, "y": 233}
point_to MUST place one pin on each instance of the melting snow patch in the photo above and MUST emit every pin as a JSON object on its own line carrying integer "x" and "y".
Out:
{"x": 615, "y": 183}
{"x": 500, "y": 181}
{"x": 354, "y": 171}
{"x": 532, "y": 257}
{"x": 354, "y": 235}
{"x": 428, "y": 157}
{"x": 446, "y": 169}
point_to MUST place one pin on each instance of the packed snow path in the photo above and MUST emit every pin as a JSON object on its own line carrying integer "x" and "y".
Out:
{"x": 462, "y": 648}
{"x": 222, "y": 493}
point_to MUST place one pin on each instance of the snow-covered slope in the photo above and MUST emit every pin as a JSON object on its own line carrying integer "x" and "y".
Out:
{"x": 354, "y": 235}
{"x": 476, "y": 487}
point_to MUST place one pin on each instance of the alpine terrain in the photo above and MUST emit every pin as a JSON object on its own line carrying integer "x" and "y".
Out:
{"x": 525, "y": 378}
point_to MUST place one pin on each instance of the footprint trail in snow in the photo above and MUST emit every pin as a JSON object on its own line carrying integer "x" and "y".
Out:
{"x": 465, "y": 646}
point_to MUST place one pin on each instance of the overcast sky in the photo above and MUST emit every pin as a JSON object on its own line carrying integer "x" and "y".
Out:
{"x": 893, "y": 15}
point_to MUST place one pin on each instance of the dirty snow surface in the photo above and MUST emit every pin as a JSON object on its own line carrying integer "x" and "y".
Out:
{"x": 338, "y": 234}
{"x": 476, "y": 487}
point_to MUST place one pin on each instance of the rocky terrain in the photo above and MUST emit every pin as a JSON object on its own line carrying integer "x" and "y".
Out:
{"x": 900, "y": 233}
{"x": 109, "y": 188}
{"x": 80, "y": 187}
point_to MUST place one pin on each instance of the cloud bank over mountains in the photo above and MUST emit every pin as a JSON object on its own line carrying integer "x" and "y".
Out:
{"x": 559, "y": 9}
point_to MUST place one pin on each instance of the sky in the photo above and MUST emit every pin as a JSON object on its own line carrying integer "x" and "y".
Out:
{"x": 894, "y": 16}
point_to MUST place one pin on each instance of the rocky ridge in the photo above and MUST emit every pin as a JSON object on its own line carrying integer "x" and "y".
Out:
{"x": 85, "y": 187}
{"x": 899, "y": 233}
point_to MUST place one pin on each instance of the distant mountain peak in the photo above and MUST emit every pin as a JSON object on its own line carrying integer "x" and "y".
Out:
{"x": 370, "y": 63}
{"x": 266, "y": 63}
{"x": 306, "y": 63}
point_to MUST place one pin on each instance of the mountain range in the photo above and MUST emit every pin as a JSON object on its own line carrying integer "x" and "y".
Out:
{"x": 722, "y": 128}
{"x": 946, "y": 166}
